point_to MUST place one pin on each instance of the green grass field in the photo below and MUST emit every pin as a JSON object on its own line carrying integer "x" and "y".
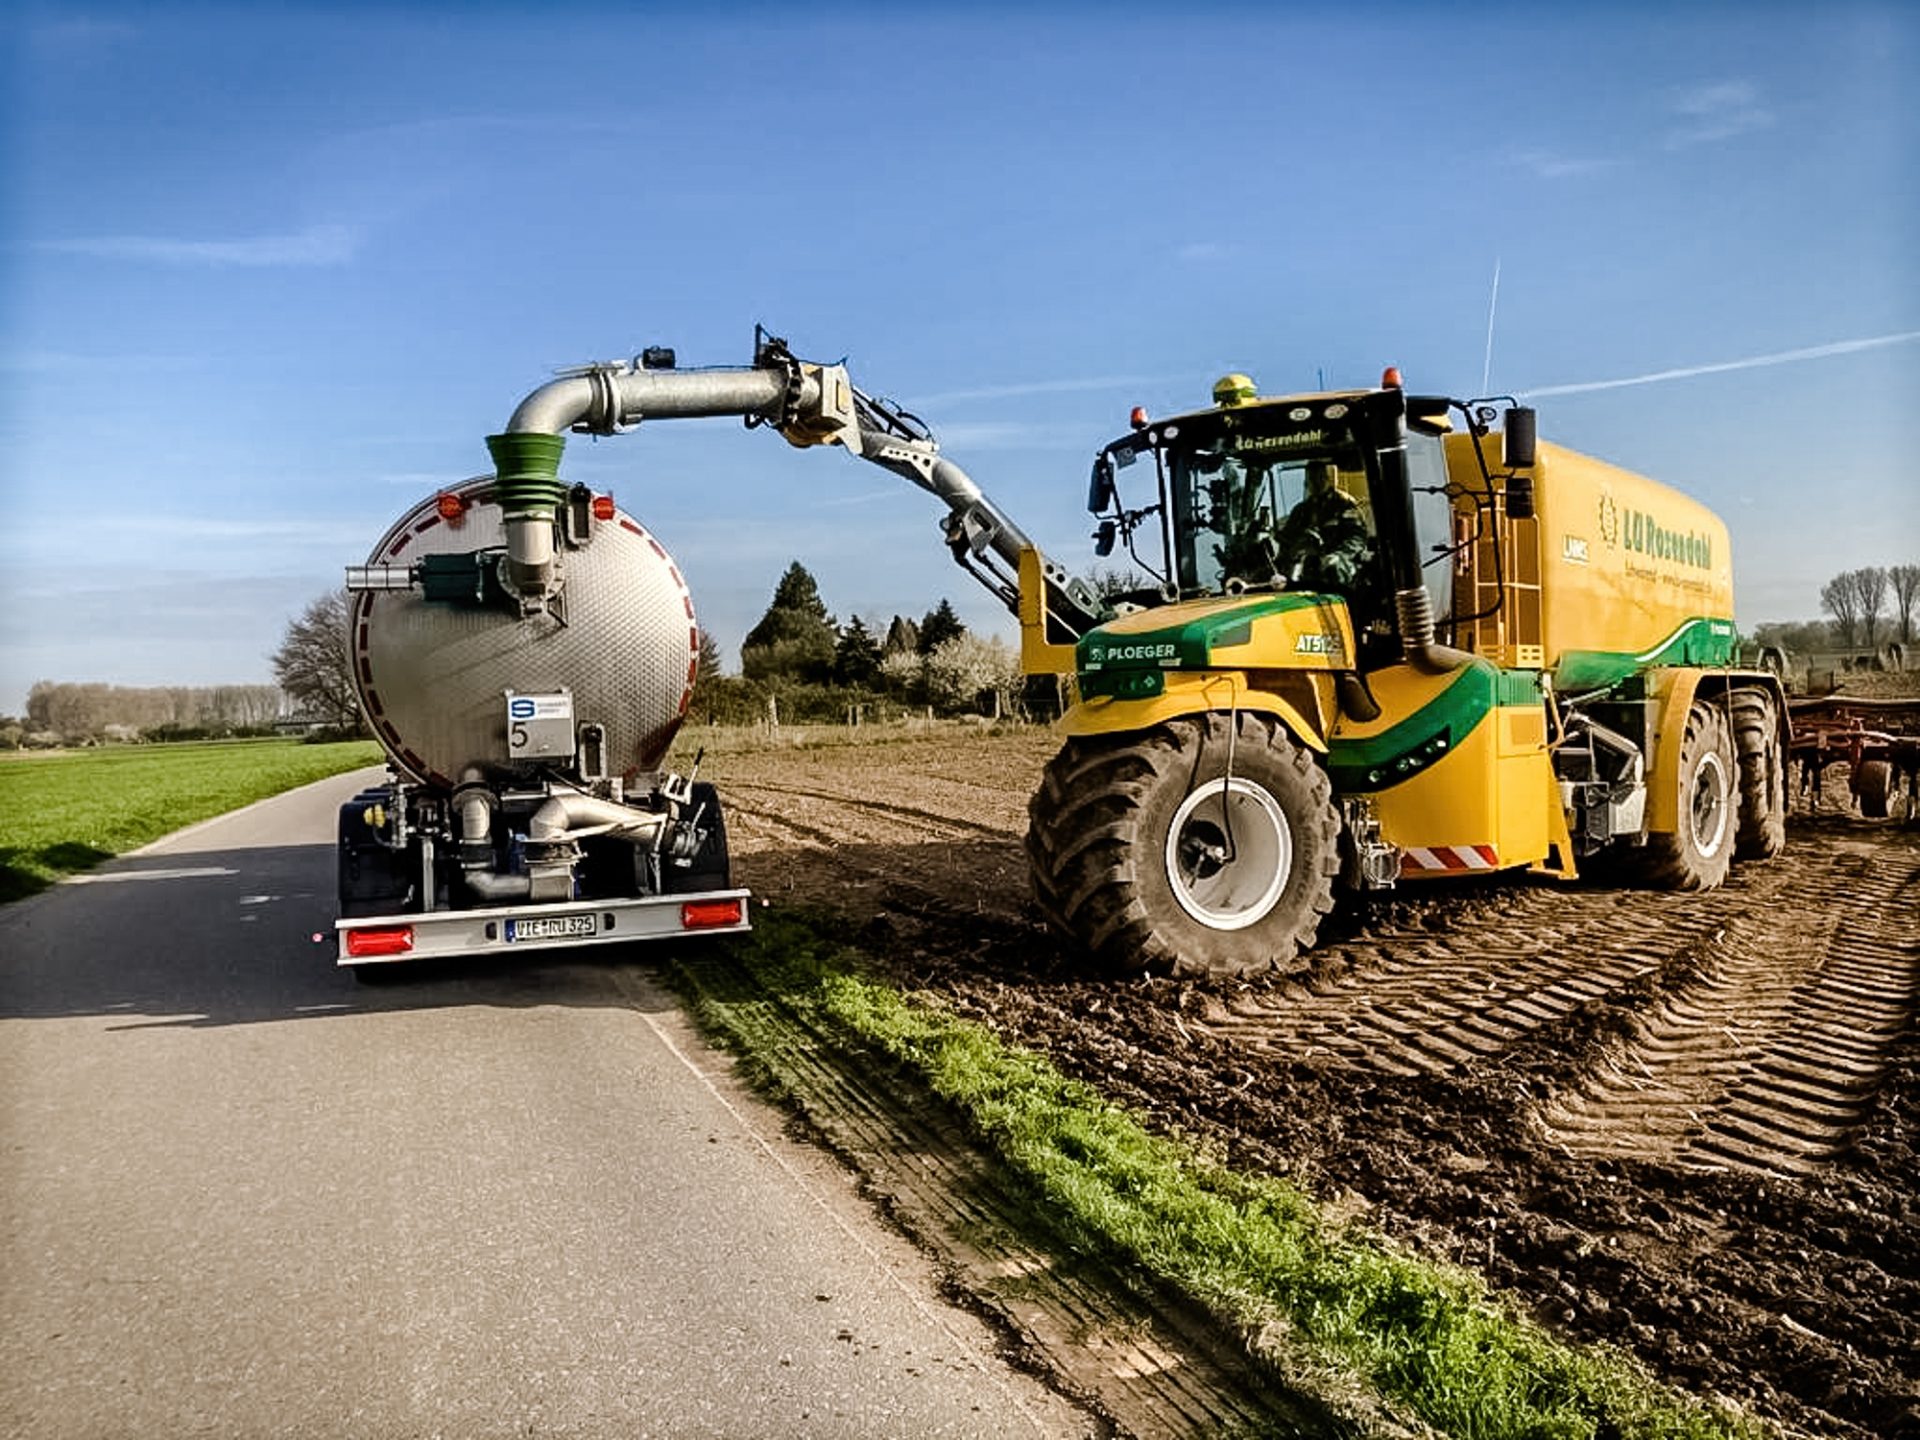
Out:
{"x": 67, "y": 811}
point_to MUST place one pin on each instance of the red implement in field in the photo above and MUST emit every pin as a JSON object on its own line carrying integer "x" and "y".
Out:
{"x": 1877, "y": 740}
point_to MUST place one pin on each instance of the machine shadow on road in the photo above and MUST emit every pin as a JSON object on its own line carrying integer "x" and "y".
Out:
{"x": 244, "y": 936}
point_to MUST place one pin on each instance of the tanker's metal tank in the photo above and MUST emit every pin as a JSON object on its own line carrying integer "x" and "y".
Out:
{"x": 436, "y": 678}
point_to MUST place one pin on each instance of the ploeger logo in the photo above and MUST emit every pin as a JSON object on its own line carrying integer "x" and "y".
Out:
{"x": 1162, "y": 651}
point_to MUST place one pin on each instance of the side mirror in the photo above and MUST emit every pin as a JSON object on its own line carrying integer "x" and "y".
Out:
{"x": 1427, "y": 414}
{"x": 1520, "y": 437}
{"x": 1103, "y": 538}
{"x": 1100, "y": 487}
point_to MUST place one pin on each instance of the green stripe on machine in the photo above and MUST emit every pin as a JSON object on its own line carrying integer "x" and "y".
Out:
{"x": 1432, "y": 731}
{"x": 1703, "y": 640}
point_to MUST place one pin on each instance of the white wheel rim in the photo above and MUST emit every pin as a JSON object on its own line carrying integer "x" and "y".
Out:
{"x": 1709, "y": 805}
{"x": 1229, "y": 888}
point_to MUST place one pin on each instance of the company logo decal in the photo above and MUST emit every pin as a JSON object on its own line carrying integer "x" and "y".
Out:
{"x": 1299, "y": 439}
{"x": 1640, "y": 532}
{"x": 1609, "y": 518}
{"x": 1165, "y": 650}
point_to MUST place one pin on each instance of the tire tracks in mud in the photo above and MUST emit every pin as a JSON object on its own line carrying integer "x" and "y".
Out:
{"x": 1413, "y": 1002}
{"x": 932, "y": 822}
{"x": 1769, "y": 1007}
{"x": 1766, "y": 1057}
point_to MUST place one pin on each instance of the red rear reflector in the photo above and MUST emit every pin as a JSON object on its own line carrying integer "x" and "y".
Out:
{"x": 450, "y": 506}
{"x": 603, "y": 507}
{"x": 709, "y": 914}
{"x": 368, "y": 943}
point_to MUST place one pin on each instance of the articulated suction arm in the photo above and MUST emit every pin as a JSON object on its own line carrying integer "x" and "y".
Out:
{"x": 809, "y": 404}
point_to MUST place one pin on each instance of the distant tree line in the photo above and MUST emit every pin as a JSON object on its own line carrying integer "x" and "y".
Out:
{"x": 799, "y": 664}
{"x": 62, "y": 713}
{"x": 315, "y": 691}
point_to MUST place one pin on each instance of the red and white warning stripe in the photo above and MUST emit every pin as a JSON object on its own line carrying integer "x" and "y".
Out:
{"x": 1450, "y": 859}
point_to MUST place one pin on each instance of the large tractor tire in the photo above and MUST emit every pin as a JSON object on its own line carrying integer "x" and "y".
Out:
{"x": 1150, "y": 853}
{"x": 1762, "y": 832}
{"x": 1695, "y": 856}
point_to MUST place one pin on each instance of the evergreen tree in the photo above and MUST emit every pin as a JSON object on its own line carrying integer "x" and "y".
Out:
{"x": 903, "y": 638}
{"x": 939, "y": 626}
{"x": 856, "y": 659}
{"x": 795, "y": 639}
{"x": 706, "y": 677}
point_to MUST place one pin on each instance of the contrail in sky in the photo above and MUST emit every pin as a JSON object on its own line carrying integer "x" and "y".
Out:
{"x": 1752, "y": 362}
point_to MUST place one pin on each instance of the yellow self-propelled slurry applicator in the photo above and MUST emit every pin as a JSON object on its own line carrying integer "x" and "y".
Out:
{"x": 1376, "y": 640}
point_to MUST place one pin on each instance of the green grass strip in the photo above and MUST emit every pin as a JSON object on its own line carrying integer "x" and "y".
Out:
{"x": 65, "y": 812}
{"x": 1256, "y": 1252}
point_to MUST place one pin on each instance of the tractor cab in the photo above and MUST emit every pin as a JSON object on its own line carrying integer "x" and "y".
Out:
{"x": 1271, "y": 496}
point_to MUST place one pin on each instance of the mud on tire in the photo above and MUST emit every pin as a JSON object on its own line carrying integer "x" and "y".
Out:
{"x": 1144, "y": 851}
{"x": 1696, "y": 853}
{"x": 1762, "y": 832}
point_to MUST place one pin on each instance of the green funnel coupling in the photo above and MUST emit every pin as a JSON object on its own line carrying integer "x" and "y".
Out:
{"x": 527, "y": 472}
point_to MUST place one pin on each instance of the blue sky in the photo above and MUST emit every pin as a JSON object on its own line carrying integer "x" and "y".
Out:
{"x": 271, "y": 274}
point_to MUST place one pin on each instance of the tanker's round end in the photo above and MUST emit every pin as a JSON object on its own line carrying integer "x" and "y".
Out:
{"x": 527, "y": 464}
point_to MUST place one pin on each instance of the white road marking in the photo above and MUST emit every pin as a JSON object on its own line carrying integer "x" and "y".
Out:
{"x": 193, "y": 872}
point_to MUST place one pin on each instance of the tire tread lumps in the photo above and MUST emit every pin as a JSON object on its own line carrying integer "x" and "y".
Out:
{"x": 1762, "y": 777}
{"x": 1088, "y": 850}
{"x": 1670, "y": 861}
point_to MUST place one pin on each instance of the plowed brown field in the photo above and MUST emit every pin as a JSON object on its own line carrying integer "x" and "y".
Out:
{"x": 1684, "y": 1124}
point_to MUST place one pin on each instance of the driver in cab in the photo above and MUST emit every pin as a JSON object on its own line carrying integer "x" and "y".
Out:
{"x": 1324, "y": 543}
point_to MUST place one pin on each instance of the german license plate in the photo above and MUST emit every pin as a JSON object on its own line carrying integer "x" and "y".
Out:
{"x": 552, "y": 927}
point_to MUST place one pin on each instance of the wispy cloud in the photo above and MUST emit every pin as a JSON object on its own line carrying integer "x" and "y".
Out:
{"x": 82, "y": 33}
{"x": 65, "y": 362}
{"x": 423, "y": 480}
{"x": 1717, "y": 111}
{"x": 316, "y": 245}
{"x": 1046, "y": 387}
{"x": 327, "y": 535}
{"x": 956, "y": 440}
{"x": 1551, "y": 165}
{"x": 1751, "y": 362}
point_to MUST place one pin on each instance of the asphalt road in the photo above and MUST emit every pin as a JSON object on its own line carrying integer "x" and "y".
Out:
{"x": 243, "y": 1195}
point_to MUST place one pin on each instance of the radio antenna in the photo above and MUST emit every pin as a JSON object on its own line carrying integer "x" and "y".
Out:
{"x": 1493, "y": 304}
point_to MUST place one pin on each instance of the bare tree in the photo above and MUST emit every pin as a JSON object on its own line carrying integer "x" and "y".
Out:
{"x": 1906, "y": 594}
{"x": 1838, "y": 600}
{"x": 313, "y": 666}
{"x": 1870, "y": 589}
